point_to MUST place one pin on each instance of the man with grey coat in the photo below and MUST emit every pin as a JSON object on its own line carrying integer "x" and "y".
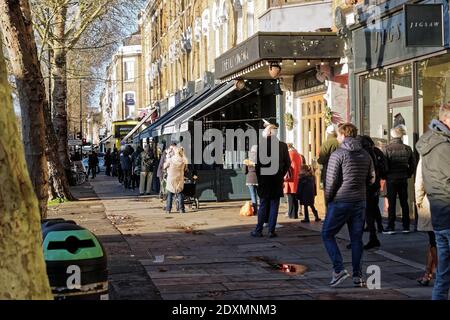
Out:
{"x": 434, "y": 148}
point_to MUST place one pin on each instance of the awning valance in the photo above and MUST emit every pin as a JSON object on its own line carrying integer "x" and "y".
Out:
{"x": 180, "y": 123}
{"x": 106, "y": 139}
{"x": 136, "y": 128}
{"x": 250, "y": 57}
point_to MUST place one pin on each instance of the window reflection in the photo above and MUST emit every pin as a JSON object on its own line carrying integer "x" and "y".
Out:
{"x": 374, "y": 109}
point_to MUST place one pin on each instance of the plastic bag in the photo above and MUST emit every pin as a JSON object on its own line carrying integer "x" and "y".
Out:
{"x": 247, "y": 209}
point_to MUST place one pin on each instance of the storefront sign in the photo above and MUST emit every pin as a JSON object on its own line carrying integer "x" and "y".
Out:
{"x": 239, "y": 57}
{"x": 278, "y": 46}
{"x": 307, "y": 80}
{"x": 424, "y": 25}
{"x": 383, "y": 43}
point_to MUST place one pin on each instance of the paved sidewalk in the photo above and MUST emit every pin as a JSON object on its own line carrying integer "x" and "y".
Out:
{"x": 209, "y": 254}
{"x": 127, "y": 277}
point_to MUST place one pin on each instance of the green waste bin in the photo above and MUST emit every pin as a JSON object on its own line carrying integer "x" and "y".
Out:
{"x": 76, "y": 261}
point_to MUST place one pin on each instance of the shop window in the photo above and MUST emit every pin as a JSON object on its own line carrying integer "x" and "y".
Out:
{"x": 433, "y": 89}
{"x": 401, "y": 80}
{"x": 374, "y": 106}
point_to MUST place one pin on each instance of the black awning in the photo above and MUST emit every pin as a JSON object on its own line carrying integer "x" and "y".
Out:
{"x": 251, "y": 54}
{"x": 174, "y": 112}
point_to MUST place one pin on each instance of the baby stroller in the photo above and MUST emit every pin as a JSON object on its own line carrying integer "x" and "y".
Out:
{"x": 189, "y": 193}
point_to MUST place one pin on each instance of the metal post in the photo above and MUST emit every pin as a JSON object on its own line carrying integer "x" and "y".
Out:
{"x": 121, "y": 80}
{"x": 81, "y": 115}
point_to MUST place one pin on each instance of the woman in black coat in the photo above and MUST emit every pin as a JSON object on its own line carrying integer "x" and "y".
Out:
{"x": 307, "y": 192}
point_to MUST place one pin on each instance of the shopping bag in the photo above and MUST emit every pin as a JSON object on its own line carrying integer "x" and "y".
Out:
{"x": 247, "y": 209}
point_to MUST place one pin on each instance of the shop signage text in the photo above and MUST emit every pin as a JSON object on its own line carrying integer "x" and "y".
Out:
{"x": 424, "y": 25}
{"x": 237, "y": 59}
{"x": 391, "y": 39}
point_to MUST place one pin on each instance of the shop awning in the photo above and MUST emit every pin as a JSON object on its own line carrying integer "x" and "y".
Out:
{"x": 155, "y": 129}
{"x": 106, "y": 139}
{"x": 250, "y": 59}
{"x": 139, "y": 125}
{"x": 180, "y": 123}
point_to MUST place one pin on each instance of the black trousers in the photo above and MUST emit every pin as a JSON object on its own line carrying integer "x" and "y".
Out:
{"x": 292, "y": 206}
{"x": 306, "y": 213}
{"x": 373, "y": 214}
{"x": 400, "y": 188}
{"x": 93, "y": 170}
{"x": 108, "y": 170}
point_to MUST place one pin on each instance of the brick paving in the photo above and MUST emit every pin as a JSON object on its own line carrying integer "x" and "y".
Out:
{"x": 209, "y": 254}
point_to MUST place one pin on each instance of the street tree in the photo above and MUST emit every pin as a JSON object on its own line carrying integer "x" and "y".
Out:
{"x": 22, "y": 266}
{"x": 17, "y": 32}
{"x": 60, "y": 25}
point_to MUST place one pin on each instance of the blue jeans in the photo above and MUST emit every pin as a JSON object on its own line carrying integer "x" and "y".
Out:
{"x": 442, "y": 282}
{"x": 253, "y": 193}
{"x": 179, "y": 199}
{"x": 339, "y": 214}
{"x": 268, "y": 207}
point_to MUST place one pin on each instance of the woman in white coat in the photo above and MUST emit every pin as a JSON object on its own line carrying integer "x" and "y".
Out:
{"x": 424, "y": 225}
{"x": 176, "y": 166}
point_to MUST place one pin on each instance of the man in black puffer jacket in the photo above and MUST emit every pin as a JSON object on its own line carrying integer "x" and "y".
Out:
{"x": 350, "y": 171}
{"x": 401, "y": 166}
{"x": 434, "y": 147}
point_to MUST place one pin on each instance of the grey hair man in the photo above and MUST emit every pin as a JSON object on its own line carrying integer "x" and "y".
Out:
{"x": 401, "y": 165}
{"x": 434, "y": 148}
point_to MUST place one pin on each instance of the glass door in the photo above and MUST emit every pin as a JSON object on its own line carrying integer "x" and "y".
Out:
{"x": 401, "y": 113}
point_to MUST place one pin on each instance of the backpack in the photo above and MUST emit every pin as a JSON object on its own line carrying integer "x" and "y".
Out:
{"x": 380, "y": 163}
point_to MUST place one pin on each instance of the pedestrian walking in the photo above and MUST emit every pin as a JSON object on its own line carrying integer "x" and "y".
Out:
{"x": 350, "y": 171}
{"x": 146, "y": 171}
{"x": 401, "y": 165}
{"x": 92, "y": 163}
{"x": 373, "y": 213}
{"x": 115, "y": 160}
{"x": 270, "y": 186}
{"x": 161, "y": 173}
{"x": 291, "y": 181}
{"x": 424, "y": 225}
{"x": 307, "y": 192}
{"x": 434, "y": 148}
{"x": 251, "y": 180}
{"x": 126, "y": 166}
{"x": 176, "y": 166}
{"x": 328, "y": 147}
{"x": 108, "y": 162}
{"x": 136, "y": 167}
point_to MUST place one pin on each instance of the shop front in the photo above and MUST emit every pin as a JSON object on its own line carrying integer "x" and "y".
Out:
{"x": 402, "y": 69}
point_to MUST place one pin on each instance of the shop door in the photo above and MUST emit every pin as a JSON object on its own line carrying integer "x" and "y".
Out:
{"x": 313, "y": 108}
{"x": 313, "y": 112}
{"x": 402, "y": 113}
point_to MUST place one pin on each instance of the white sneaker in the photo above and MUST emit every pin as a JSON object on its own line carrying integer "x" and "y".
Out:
{"x": 265, "y": 225}
{"x": 338, "y": 278}
{"x": 278, "y": 226}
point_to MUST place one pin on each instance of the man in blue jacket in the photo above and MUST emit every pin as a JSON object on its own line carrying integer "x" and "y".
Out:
{"x": 434, "y": 147}
{"x": 350, "y": 171}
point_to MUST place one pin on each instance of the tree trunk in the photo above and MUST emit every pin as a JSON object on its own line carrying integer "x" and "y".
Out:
{"x": 59, "y": 186}
{"x": 22, "y": 266}
{"x": 15, "y": 19}
{"x": 59, "y": 94}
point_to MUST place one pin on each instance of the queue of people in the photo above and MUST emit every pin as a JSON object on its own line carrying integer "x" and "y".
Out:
{"x": 354, "y": 170}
